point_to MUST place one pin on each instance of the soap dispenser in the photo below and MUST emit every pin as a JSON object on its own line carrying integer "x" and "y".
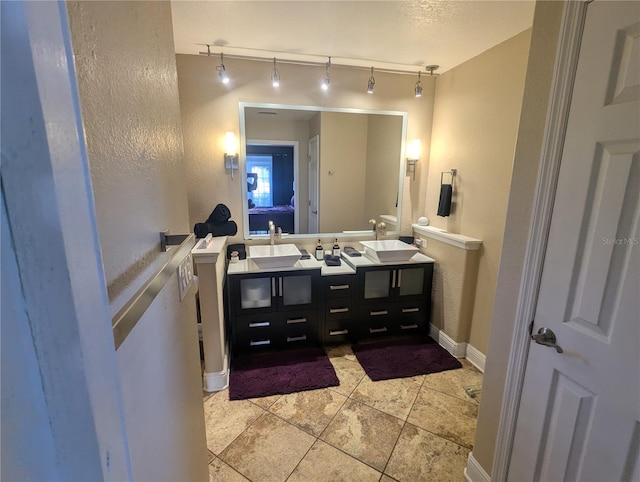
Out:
{"x": 336, "y": 249}
{"x": 319, "y": 251}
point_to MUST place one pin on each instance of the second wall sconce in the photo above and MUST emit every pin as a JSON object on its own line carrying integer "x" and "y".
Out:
{"x": 413, "y": 155}
{"x": 230, "y": 152}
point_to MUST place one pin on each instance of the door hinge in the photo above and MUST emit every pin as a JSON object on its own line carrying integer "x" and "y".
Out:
{"x": 531, "y": 327}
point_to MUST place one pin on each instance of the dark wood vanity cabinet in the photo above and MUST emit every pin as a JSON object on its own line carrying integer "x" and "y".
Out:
{"x": 273, "y": 310}
{"x": 337, "y": 310}
{"x": 393, "y": 300}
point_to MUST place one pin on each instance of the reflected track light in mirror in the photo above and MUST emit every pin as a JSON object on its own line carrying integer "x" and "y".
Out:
{"x": 222, "y": 71}
{"x": 417, "y": 90}
{"x": 371, "y": 83}
{"x": 275, "y": 75}
{"x": 326, "y": 80}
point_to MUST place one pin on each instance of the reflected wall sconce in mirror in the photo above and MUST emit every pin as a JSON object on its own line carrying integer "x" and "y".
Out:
{"x": 230, "y": 152}
{"x": 413, "y": 155}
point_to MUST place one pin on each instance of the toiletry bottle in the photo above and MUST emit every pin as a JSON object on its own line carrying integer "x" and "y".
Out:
{"x": 319, "y": 251}
{"x": 336, "y": 248}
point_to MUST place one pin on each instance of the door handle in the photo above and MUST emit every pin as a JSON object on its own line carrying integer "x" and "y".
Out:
{"x": 546, "y": 337}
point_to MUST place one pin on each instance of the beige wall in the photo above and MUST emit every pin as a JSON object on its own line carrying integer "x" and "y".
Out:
{"x": 342, "y": 171}
{"x": 475, "y": 124}
{"x": 382, "y": 145}
{"x": 128, "y": 90}
{"x": 527, "y": 156}
{"x": 209, "y": 109}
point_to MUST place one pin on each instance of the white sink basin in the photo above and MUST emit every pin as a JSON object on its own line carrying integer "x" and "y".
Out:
{"x": 388, "y": 250}
{"x": 274, "y": 256}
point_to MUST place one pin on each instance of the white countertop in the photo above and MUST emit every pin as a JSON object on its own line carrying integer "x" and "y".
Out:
{"x": 246, "y": 266}
{"x": 362, "y": 261}
{"x": 208, "y": 249}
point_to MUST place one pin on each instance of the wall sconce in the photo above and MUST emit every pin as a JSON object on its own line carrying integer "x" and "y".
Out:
{"x": 413, "y": 155}
{"x": 231, "y": 152}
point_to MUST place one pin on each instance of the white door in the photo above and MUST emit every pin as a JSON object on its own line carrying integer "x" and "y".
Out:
{"x": 579, "y": 416}
{"x": 314, "y": 157}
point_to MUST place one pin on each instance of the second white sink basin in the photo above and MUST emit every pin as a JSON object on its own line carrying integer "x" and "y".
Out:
{"x": 389, "y": 250}
{"x": 274, "y": 256}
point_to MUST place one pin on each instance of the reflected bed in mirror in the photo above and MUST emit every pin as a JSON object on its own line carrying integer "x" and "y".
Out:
{"x": 319, "y": 171}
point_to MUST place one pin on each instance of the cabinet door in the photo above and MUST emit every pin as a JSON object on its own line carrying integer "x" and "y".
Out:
{"x": 253, "y": 294}
{"x": 410, "y": 281}
{"x": 296, "y": 291}
{"x": 377, "y": 284}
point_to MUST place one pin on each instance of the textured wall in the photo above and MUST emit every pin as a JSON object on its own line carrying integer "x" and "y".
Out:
{"x": 454, "y": 288}
{"x": 527, "y": 156}
{"x": 209, "y": 109}
{"x": 475, "y": 125}
{"x": 129, "y": 99}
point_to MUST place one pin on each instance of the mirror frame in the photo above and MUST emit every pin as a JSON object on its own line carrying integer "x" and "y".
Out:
{"x": 243, "y": 165}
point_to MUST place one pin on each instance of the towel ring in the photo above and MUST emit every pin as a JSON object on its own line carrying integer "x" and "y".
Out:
{"x": 453, "y": 173}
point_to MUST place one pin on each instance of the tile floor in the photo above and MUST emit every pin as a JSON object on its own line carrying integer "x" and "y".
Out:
{"x": 410, "y": 429}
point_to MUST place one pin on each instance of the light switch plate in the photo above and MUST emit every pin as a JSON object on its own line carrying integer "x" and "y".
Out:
{"x": 185, "y": 276}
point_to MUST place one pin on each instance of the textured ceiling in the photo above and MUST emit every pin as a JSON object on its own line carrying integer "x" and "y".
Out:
{"x": 399, "y": 35}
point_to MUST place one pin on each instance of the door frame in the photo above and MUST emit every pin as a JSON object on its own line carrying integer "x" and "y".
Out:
{"x": 572, "y": 24}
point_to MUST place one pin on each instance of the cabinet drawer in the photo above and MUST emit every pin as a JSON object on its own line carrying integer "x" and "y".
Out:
{"x": 339, "y": 286}
{"x": 337, "y": 331}
{"x": 338, "y": 309}
{"x": 265, "y": 322}
{"x": 416, "y": 309}
{"x": 376, "y": 320}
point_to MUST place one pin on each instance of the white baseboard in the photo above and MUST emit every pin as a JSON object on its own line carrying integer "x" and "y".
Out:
{"x": 475, "y": 357}
{"x": 216, "y": 381}
{"x": 474, "y": 471}
{"x": 458, "y": 349}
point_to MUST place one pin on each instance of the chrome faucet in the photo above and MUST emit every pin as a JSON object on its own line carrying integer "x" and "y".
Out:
{"x": 381, "y": 229}
{"x": 273, "y": 235}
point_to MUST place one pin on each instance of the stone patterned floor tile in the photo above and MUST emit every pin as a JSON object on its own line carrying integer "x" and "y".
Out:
{"x": 364, "y": 433}
{"x": 225, "y": 419}
{"x": 349, "y": 373}
{"x": 265, "y": 402}
{"x": 394, "y": 397}
{"x": 386, "y": 478}
{"x": 444, "y": 415}
{"x": 432, "y": 458}
{"x": 453, "y": 382}
{"x": 341, "y": 351}
{"x": 310, "y": 410}
{"x": 268, "y": 450}
{"x": 325, "y": 463}
{"x": 221, "y": 472}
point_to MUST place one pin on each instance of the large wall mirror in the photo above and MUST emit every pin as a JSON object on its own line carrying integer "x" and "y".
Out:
{"x": 320, "y": 171}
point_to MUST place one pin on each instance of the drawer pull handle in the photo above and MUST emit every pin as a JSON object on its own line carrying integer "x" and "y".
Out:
{"x": 292, "y": 321}
{"x": 338, "y": 310}
{"x": 408, "y": 327}
{"x": 378, "y": 330}
{"x": 338, "y": 287}
{"x": 259, "y": 343}
{"x": 338, "y": 332}
{"x": 296, "y": 338}
{"x": 410, "y": 310}
{"x": 378, "y": 313}
{"x": 259, "y": 324}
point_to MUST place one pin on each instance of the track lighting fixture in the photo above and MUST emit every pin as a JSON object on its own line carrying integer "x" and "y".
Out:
{"x": 275, "y": 75}
{"x": 326, "y": 80}
{"x": 417, "y": 90}
{"x": 222, "y": 72}
{"x": 371, "y": 83}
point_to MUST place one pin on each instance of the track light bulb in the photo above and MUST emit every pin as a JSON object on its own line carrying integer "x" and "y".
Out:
{"x": 275, "y": 75}
{"x": 222, "y": 72}
{"x": 326, "y": 80}
{"x": 418, "y": 88}
{"x": 371, "y": 83}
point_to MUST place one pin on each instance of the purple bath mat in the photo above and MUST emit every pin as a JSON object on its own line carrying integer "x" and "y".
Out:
{"x": 279, "y": 373}
{"x": 403, "y": 357}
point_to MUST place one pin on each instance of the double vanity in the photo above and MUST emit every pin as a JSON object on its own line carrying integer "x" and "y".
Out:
{"x": 275, "y": 299}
